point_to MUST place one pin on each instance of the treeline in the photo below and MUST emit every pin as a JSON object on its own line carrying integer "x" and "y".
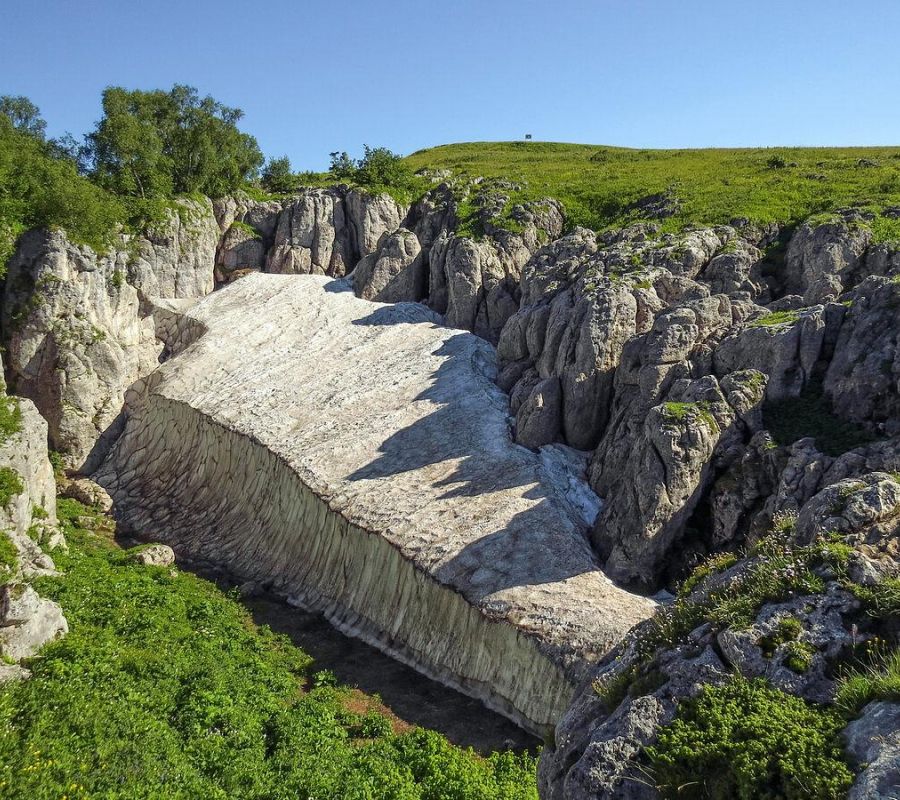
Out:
{"x": 147, "y": 148}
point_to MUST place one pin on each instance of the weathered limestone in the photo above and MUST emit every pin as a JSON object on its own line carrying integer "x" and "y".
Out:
{"x": 77, "y": 324}
{"x": 357, "y": 458}
{"x": 327, "y": 231}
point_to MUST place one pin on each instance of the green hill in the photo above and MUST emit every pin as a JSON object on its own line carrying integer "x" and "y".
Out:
{"x": 599, "y": 186}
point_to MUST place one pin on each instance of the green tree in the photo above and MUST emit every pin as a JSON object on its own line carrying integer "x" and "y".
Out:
{"x": 24, "y": 115}
{"x": 277, "y": 175}
{"x": 155, "y": 143}
{"x": 342, "y": 167}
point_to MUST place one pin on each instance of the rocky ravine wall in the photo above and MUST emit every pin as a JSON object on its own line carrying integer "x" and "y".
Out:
{"x": 356, "y": 457}
{"x": 27, "y": 621}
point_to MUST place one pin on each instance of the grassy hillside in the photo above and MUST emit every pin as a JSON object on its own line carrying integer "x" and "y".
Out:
{"x": 164, "y": 688}
{"x": 599, "y": 184}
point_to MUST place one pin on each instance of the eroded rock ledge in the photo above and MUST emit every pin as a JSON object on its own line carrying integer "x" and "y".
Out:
{"x": 357, "y": 457}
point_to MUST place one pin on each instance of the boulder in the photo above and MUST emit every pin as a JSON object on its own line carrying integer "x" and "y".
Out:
{"x": 155, "y": 555}
{"x": 873, "y": 742}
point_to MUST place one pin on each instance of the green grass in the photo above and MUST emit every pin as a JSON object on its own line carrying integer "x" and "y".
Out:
{"x": 879, "y": 679}
{"x": 164, "y": 688}
{"x": 810, "y": 414}
{"x": 597, "y": 184}
{"x": 776, "y": 318}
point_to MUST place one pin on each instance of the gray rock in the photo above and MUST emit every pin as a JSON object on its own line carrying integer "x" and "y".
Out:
{"x": 77, "y": 327}
{"x": 327, "y": 231}
{"x": 786, "y": 352}
{"x": 821, "y": 259}
{"x": 155, "y": 555}
{"x": 86, "y": 491}
{"x": 27, "y": 622}
{"x": 868, "y": 506}
{"x": 873, "y": 741}
{"x": 240, "y": 249}
{"x": 395, "y": 272}
{"x": 863, "y": 378}
{"x": 539, "y": 418}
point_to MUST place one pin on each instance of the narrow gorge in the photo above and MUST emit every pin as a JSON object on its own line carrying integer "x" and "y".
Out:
{"x": 531, "y": 460}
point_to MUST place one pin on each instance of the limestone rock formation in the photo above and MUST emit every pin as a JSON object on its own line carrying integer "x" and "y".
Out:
{"x": 873, "y": 741}
{"x": 863, "y": 378}
{"x": 27, "y": 621}
{"x": 389, "y": 482}
{"x": 77, "y": 325}
{"x": 634, "y": 691}
{"x": 821, "y": 258}
{"x": 327, "y": 231}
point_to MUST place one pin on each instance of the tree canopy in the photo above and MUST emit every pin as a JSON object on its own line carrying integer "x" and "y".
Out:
{"x": 158, "y": 143}
{"x": 24, "y": 115}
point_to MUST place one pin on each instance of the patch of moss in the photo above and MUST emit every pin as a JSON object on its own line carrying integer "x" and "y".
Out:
{"x": 8, "y": 557}
{"x": 10, "y": 417}
{"x": 246, "y": 228}
{"x": 678, "y": 412}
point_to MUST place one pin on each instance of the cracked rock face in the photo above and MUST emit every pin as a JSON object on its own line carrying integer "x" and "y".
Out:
{"x": 77, "y": 324}
{"x": 357, "y": 458}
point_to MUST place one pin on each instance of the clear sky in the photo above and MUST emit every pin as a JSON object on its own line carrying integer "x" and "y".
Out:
{"x": 317, "y": 75}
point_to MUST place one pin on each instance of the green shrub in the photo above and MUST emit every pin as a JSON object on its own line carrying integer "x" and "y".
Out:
{"x": 10, "y": 417}
{"x": 776, "y": 318}
{"x": 747, "y": 741}
{"x": 10, "y": 485}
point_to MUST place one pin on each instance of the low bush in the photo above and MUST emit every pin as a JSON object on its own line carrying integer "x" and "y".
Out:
{"x": 747, "y": 741}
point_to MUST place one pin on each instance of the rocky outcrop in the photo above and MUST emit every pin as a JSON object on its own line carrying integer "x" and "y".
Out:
{"x": 863, "y": 378}
{"x": 390, "y": 482}
{"x": 27, "y": 621}
{"x": 395, "y": 272}
{"x": 77, "y": 325}
{"x": 821, "y": 258}
{"x": 780, "y": 614}
{"x": 327, "y": 231}
{"x": 873, "y": 742}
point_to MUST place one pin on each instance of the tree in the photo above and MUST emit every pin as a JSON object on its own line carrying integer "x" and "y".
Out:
{"x": 277, "y": 175}
{"x": 155, "y": 143}
{"x": 379, "y": 166}
{"x": 24, "y": 115}
{"x": 342, "y": 167}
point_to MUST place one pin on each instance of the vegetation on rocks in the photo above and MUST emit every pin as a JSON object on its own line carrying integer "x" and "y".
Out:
{"x": 165, "y": 688}
{"x": 748, "y": 741}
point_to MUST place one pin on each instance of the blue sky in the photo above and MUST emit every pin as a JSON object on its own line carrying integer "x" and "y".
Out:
{"x": 316, "y": 76}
